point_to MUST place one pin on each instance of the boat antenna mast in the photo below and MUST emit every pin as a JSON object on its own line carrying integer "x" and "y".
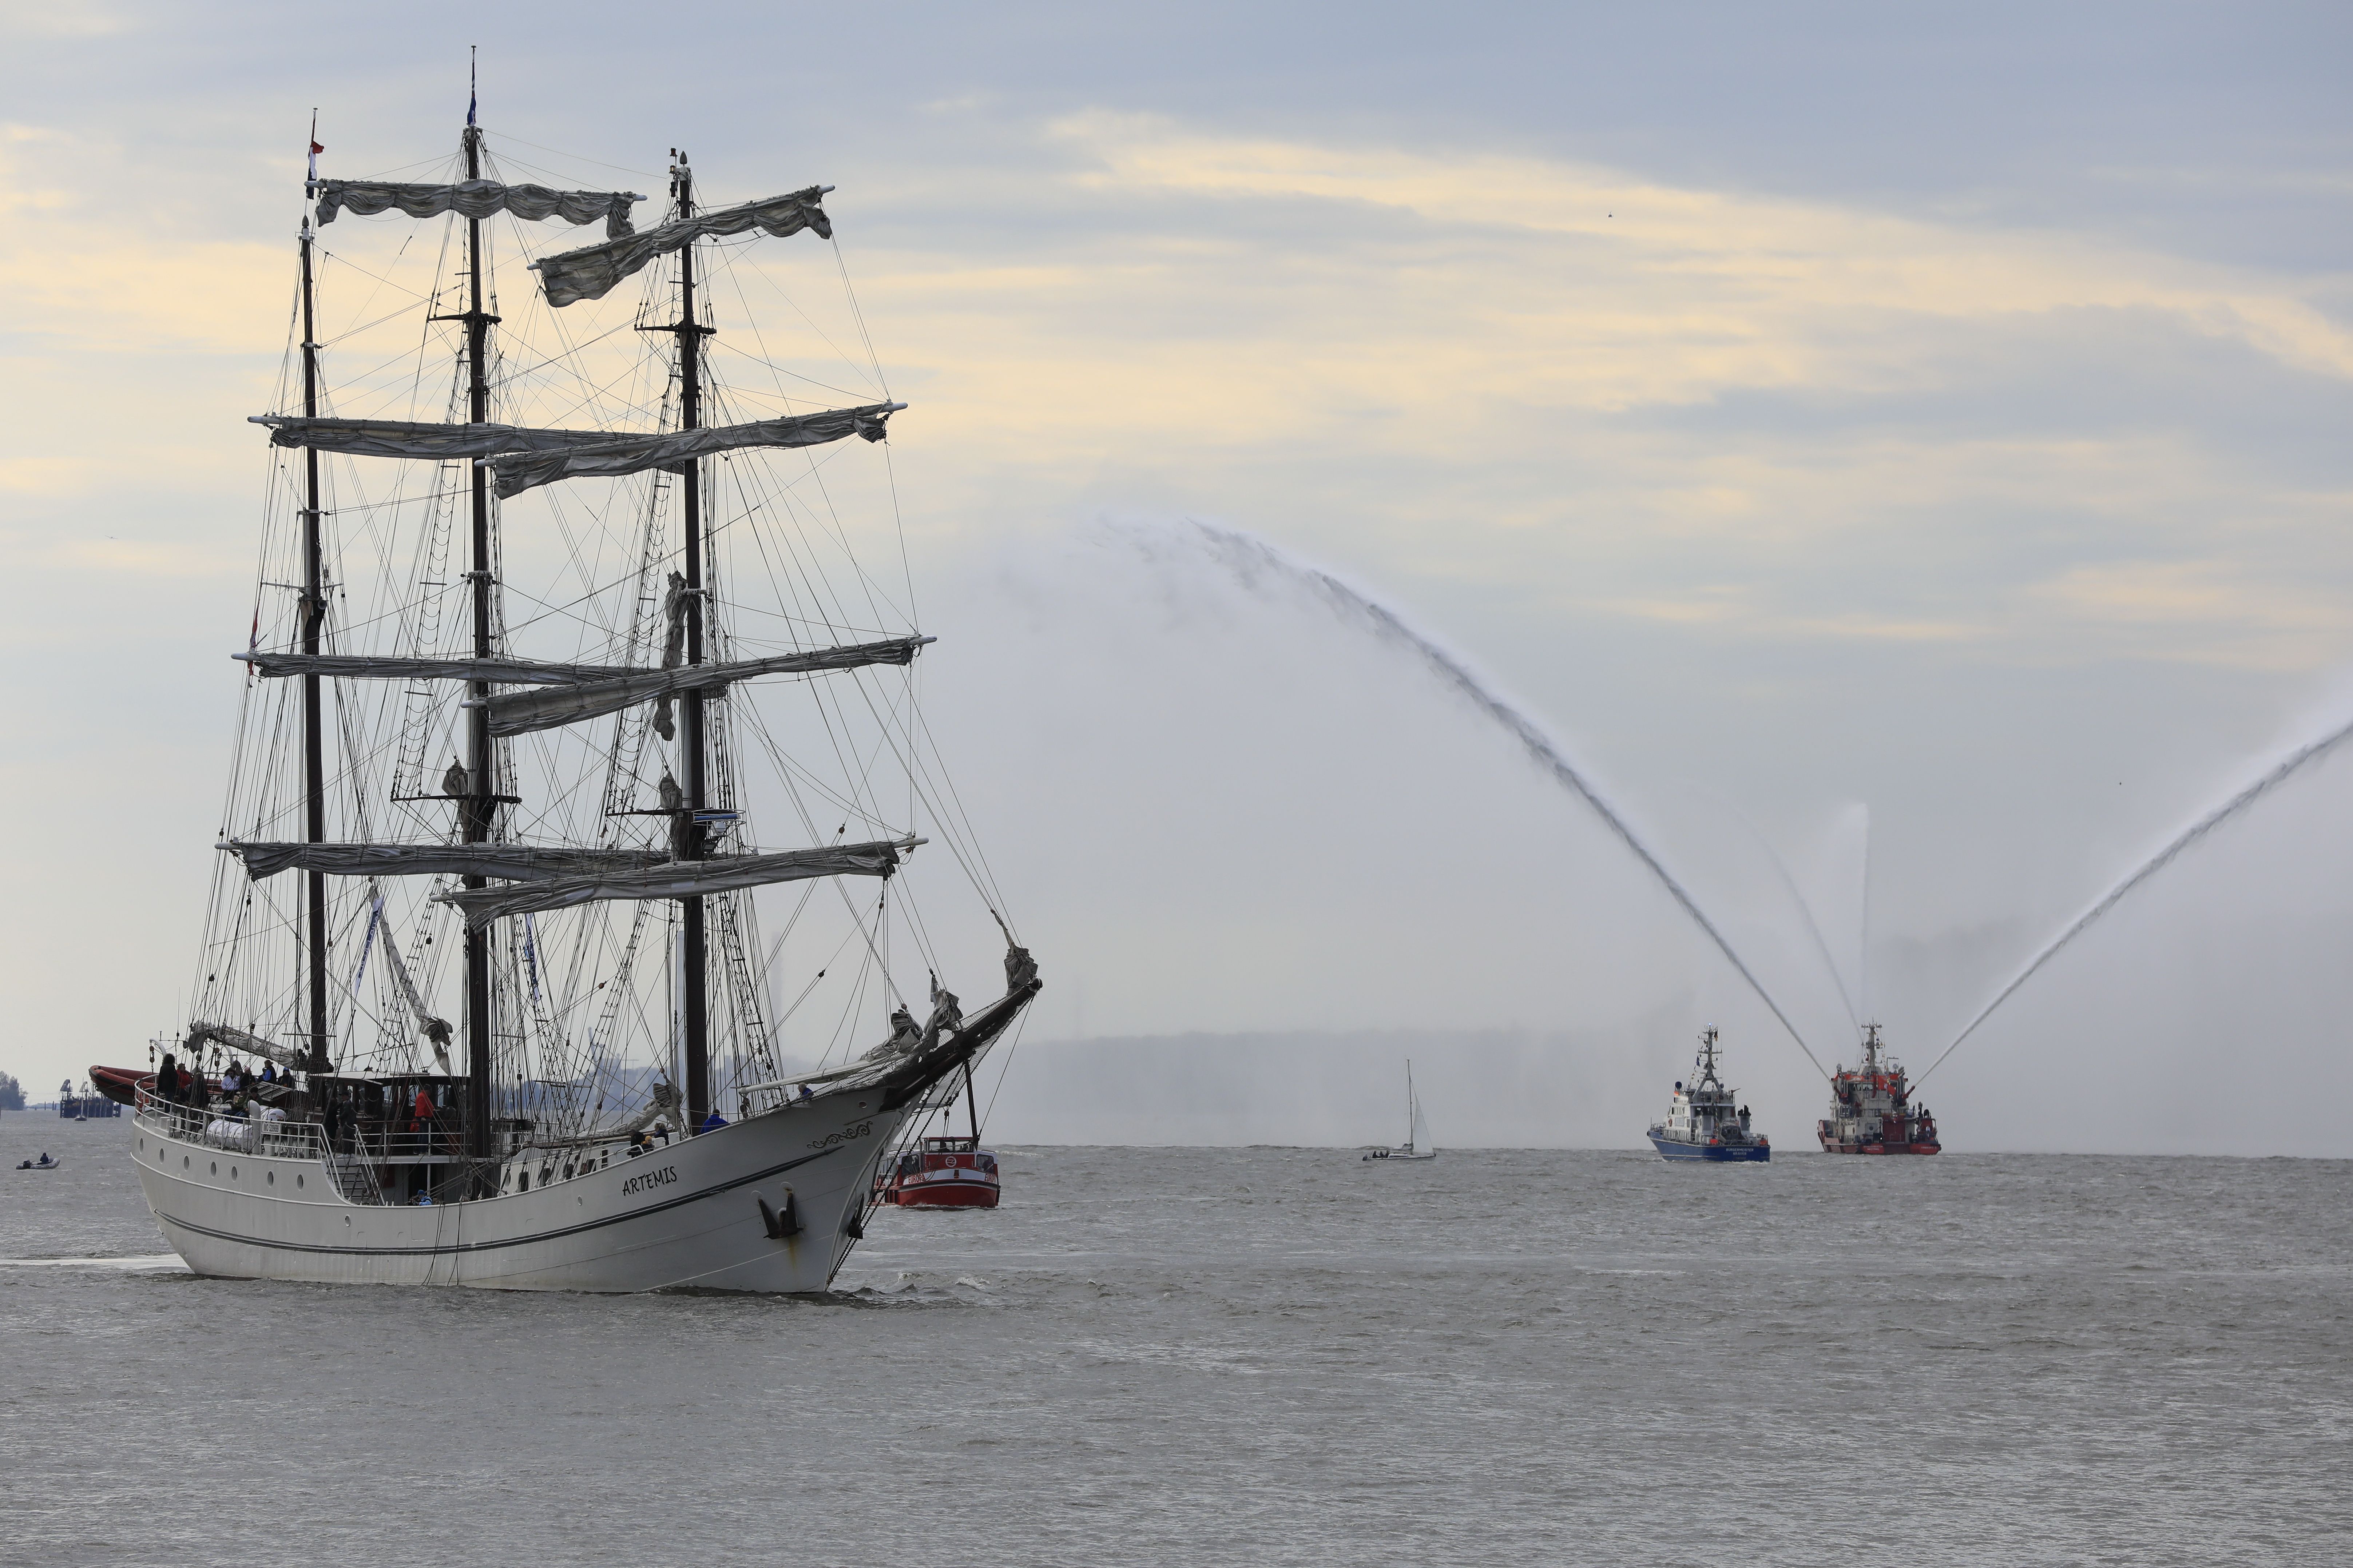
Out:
{"x": 1706, "y": 1058}
{"x": 1408, "y": 1104}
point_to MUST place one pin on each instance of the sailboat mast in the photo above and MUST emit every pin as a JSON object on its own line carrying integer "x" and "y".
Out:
{"x": 689, "y": 836}
{"x": 475, "y": 809}
{"x": 315, "y": 772}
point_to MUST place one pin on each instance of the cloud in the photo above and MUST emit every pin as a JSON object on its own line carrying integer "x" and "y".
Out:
{"x": 142, "y": 557}
{"x": 84, "y": 279}
{"x": 63, "y": 20}
{"x": 1685, "y": 291}
{"x": 1741, "y": 413}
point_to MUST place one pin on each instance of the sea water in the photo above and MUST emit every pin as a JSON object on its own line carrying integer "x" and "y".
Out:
{"x": 1249, "y": 1356}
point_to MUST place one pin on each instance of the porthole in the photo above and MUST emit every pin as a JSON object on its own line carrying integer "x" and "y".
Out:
{"x": 184, "y": 1161}
{"x": 216, "y": 1167}
{"x": 143, "y": 1146}
{"x": 298, "y": 1178}
{"x": 271, "y": 1178}
{"x": 232, "y": 1172}
{"x": 347, "y": 1219}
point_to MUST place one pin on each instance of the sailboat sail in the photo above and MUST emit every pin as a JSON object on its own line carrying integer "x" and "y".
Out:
{"x": 544, "y": 708}
{"x": 592, "y": 272}
{"x": 683, "y": 880}
{"x": 476, "y": 199}
{"x": 519, "y": 862}
{"x": 525, "y": 459}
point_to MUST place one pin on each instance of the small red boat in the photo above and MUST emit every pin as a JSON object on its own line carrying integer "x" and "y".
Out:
{"x": 944, "y": 1173}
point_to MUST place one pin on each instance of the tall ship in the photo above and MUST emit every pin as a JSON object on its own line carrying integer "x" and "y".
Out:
{"x": 571, "y": 853}
{"x": 1706, "y": 1120}
{"x": 1871, "y": 1112}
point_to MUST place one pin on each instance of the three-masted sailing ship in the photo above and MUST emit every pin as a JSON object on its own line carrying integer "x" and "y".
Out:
{"x": 512, "y": 1021}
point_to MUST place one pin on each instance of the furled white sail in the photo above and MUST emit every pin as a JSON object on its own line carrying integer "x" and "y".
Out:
{"x": 434, "y": 1028}
{"x": 478, "y": 199}
{"x": 521, "y": 712}
{"x": 680, "y": 880}
{"x": 238, "y": 1040}
{"x": 525, "y": 459}
{"x": 619, "y": 455}
{"x": 590, "y": 272}
{"x": 370, "y": 667}
{"x": 514, "y": 862}
{"x": 415, "y": 439}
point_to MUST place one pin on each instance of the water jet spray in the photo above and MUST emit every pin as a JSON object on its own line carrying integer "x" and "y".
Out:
{"x": 1245, "y": 554}
{"x": 2157, "y": 862}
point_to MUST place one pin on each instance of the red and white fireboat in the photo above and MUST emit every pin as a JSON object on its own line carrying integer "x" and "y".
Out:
{"x": 944, "y": 1173}
{"x": 1871, "y": 1112}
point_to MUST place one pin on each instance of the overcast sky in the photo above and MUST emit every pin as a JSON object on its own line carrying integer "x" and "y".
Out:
{"x": 1814, "y": 415}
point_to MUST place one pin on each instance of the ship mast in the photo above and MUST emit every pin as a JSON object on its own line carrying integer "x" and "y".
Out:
{"x": 314, "y": 615}
{"x": 475, "y": 809}
{"x": 686, "y": 832}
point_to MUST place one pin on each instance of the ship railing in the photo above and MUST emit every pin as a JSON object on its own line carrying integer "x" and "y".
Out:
{"x": 220, "y": 1129}
{"x": 359, "y": 1181}
{"x": 402, "y": 1142}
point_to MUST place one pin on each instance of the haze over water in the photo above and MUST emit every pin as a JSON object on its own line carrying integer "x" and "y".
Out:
{"x": 1246, "y": 1356}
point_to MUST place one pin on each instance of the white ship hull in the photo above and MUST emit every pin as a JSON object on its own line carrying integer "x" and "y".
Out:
{"x": 687, "y": 1216}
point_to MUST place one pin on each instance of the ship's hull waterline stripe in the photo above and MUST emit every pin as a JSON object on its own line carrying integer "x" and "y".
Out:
{"x": 494, "y": 1245}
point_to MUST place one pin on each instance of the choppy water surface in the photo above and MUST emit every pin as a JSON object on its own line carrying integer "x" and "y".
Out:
{"x": 1255, "y": 1356}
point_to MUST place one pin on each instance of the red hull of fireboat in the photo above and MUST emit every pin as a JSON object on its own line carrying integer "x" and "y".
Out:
{"x": 946, "y": 1196}
{"x": 1883, "y": 1148}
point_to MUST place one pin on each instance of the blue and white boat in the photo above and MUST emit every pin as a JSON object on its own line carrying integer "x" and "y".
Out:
{"x": 1707, "y": 1121}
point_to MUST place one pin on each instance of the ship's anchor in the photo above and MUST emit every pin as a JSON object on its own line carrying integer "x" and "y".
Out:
{"x": 784, "y": 1225}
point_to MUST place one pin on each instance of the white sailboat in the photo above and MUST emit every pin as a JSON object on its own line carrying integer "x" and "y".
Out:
{"x": 579, "y": 542}
{"x": 1417, "y": 1144}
